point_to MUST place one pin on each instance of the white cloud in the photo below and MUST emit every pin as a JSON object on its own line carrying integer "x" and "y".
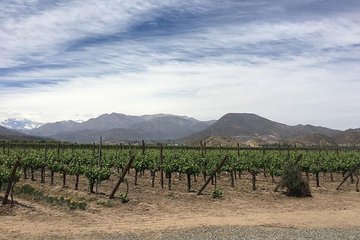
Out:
{"x": 290, "y": 70}
{"x": 272, "y": 89}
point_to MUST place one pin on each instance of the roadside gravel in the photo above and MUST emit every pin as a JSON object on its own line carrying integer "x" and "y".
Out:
{"x": 232, "y": 232}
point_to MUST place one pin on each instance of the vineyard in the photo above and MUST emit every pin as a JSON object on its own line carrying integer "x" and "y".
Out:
{"x": 161, "y": 164}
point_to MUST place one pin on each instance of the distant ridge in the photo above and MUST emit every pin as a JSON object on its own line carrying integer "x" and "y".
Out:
{"x": 232, "y": 128}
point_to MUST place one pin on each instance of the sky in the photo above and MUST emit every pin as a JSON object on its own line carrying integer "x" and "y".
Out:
{"x": 290, "y": 61}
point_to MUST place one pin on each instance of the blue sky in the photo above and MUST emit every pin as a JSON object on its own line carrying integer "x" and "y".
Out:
{"x": 291, "y": 61}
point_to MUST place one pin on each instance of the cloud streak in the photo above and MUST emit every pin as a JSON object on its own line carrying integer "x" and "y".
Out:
{"x": 197, "y": 58}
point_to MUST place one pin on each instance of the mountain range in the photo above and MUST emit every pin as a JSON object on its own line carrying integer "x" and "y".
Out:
{"x": 232, "y": 128}
{"x": 116, "y": 127}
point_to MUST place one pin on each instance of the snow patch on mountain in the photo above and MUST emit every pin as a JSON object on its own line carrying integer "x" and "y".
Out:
{"x": 20, "y": 124}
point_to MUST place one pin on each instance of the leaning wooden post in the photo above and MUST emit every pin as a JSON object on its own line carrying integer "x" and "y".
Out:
{"x": 357, "y": 182}
{"x": 218, "y": 167}
{"x": 122, "y": 177}
{"x": 11, "y": 182}
{"x": 348, "y": 175}
{"x": 161, "y": 166}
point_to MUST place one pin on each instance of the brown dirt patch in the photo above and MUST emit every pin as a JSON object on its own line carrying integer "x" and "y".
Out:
{"x": 156, "y": 209}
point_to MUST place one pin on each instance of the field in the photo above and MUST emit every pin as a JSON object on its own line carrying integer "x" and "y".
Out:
{"x": 44, "y": 211}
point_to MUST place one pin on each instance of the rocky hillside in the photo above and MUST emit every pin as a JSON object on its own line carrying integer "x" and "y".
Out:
{"x": 246, "y": 126}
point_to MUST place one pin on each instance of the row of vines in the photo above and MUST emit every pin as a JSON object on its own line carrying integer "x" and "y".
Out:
{"x": 97, "y": 164}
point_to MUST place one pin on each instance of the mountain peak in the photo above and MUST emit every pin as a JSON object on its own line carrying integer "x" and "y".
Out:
{"x": 20, "y": 124}
{"x": 245, "y": 126}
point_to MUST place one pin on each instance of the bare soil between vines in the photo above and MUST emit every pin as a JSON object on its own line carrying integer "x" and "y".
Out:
{"x": 155, "y": 209}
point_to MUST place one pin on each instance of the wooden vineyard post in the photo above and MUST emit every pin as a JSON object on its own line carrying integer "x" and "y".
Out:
{"x": 218, "y": 167}
{"x": 143, "y": 146}
{"x": 11, "y": 183}
{"x": 288, "y": 152}
{"x": 99, "y": 164}
{"x": 122, "y": 177}
{"x": 43, "y": 166}
{"x": 232, "y": 177}
{"x": 264, "y": 153}
{"x": 94, "y": 148}
{"x": 161, "y": 166}
{"x": 238, "y": 154}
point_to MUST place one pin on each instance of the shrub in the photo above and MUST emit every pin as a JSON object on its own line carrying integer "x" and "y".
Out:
{"x": 123, "y": 198}
{"x": 217, "y": 193}
{"x": 293, "y": 181}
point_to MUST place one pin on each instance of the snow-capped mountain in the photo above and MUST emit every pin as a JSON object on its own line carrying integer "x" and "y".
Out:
{"x": 20, "y": 124}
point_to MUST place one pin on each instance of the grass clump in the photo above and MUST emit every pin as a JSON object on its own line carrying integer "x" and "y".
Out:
{"x": 56, "y": 200}
{"x": 123, "y": 198}
{"x": 105, "y": 203}
{"x": 217, "y": 193}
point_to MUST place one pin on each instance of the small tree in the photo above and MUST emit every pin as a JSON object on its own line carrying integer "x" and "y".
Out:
{"x": 293, "y": 181}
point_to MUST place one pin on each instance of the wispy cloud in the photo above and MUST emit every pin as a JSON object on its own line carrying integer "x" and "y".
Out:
{"x": 281, "y": 59}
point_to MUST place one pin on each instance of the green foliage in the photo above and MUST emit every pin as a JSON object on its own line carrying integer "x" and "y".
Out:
{"x": 4, "y": 174}
{"x": 83, "y": 160}
{"x": 188, "y": 163}
{"x": 217, "y": 193}
{"x": 123, "y": 198}
{"x": 97, "y": 174}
